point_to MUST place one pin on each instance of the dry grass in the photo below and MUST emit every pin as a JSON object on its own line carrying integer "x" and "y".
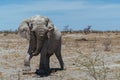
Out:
{"x": 13, "y": 50}
{"x": 117, "y": 62}
{"x": 1, "y": 74}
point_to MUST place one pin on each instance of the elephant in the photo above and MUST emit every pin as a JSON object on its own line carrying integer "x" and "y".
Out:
{"x": 44, "y": 39}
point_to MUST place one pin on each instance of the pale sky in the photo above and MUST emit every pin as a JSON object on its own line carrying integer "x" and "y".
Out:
{"x": 100, "y": 14}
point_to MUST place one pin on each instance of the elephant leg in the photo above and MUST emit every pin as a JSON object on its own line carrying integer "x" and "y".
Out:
{"x": 44, "y": 68}
{"x": 59, "y": 57}
{"x": 44, "y": 63}
{"x": 27, "y": 63}
{"x": 27, "y": 60}
{"x": 48, "y": 62}
{"x": 41, "y": 70}
{"x": 44, "y": 60}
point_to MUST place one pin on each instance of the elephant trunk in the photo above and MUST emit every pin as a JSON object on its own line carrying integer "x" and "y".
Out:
{"x": 32, "y": 43}
{"x": 38, "y": 49}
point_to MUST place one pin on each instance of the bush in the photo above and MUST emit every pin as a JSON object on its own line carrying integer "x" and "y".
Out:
{"x": 94, "y": 65}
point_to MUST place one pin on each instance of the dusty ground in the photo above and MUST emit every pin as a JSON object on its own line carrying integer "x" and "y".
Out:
{"x": 95, "y": 56}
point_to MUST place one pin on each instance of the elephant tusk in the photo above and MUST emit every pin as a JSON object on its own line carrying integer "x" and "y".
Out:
{"x": 50, "y": 29}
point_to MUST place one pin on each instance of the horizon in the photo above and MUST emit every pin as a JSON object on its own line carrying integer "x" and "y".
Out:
{"x": 102, "y": 15}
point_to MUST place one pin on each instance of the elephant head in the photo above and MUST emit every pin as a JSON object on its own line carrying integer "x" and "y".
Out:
{"x": 36, "y": 24}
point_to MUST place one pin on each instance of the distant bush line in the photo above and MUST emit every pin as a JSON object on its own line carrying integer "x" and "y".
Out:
{"x": 9, "y": 31}
{"x": 91, "y": 31}
{"x": 70, "y": 31}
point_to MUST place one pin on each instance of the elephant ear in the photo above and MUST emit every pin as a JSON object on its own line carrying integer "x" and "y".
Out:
{"x": 50, "y": 32}
{"x": 24, "y": 29}
{"x": 50, "y": 27}
{"x": 49, "y": 23}
{"x": 30, "y": 26}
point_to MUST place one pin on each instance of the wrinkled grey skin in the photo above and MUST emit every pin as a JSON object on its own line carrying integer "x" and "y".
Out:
{"x": 43, "y": 38}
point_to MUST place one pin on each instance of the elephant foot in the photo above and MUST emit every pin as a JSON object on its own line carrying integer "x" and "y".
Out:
{"x": 26, "y": 62}
{"x": 26, "y": 69}
{"x": 42, "y": 72}
{"x": 61, "y": 68}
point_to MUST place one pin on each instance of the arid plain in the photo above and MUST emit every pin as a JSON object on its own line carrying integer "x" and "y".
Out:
{"x": 95, "y": 56}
